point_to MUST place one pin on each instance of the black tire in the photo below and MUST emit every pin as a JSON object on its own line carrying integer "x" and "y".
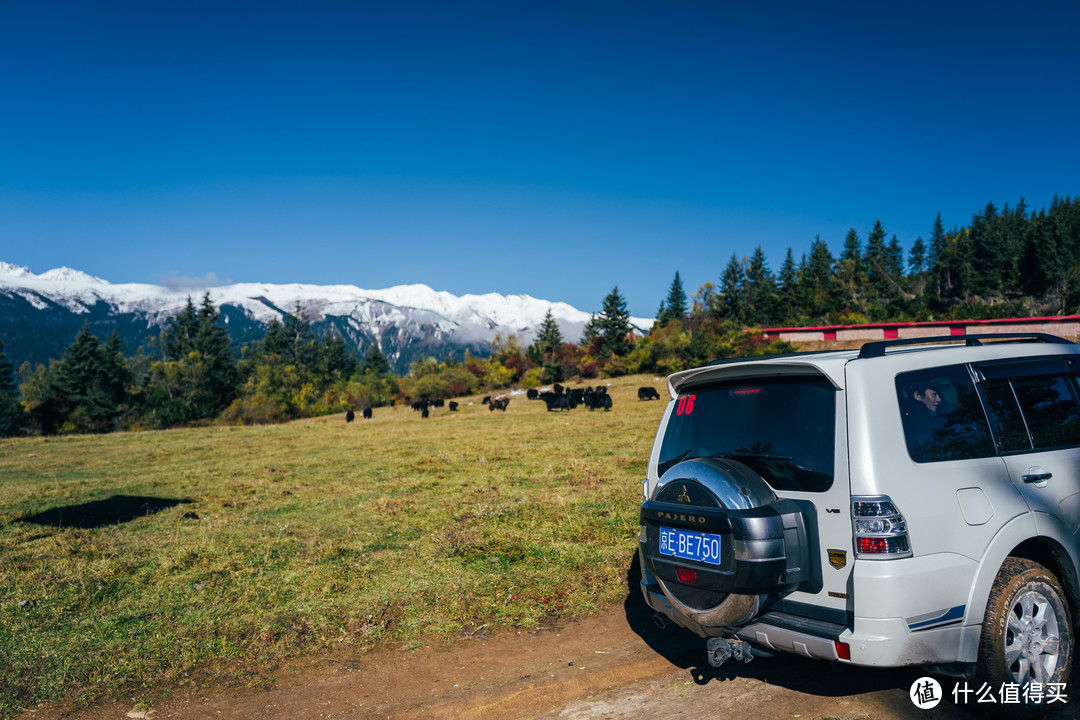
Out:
{"x": 1027, "y": 631}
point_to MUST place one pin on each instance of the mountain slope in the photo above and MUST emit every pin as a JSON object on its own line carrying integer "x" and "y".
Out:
{"x": 41, "y": 314}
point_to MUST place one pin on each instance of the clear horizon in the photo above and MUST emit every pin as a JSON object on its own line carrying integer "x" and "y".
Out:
{"x": 548, "y": 149}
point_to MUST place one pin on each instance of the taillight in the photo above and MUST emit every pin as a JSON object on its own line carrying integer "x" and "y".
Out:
{"x": 880, "y": 529}
{"x": 686, "y": 576}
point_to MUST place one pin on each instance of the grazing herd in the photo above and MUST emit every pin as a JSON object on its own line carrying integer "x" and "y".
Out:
{"x": 350, "y": 415}
{"x": 558, "y": 399}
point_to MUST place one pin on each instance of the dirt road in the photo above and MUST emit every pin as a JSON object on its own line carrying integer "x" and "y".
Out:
{"x": 615, "y": 665}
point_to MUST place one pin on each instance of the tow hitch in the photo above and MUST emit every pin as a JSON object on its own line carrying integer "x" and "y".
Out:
{"x": 720, "y": 649}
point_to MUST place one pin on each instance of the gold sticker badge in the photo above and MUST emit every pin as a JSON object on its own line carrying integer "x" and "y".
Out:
{"x": 837, "y": 558}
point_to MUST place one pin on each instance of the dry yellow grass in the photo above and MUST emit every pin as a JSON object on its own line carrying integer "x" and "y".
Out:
{"x": 244, "y": 546}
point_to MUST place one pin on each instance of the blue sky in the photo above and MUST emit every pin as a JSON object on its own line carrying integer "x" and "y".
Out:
{"x": 550, "y": 148}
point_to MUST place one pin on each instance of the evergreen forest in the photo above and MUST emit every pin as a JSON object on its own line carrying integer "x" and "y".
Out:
{"x": 1006, "y": 262}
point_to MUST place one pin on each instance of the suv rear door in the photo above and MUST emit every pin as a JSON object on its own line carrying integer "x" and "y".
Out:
{"x": 809, "y": 461}
{"x": 1034, "y": 413}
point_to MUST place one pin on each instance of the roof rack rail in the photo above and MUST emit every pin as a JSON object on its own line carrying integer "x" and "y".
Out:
{"x": 877, "y": 348}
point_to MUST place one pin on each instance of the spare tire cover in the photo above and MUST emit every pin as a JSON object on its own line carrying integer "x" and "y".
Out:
{"x": 712, "y": 483}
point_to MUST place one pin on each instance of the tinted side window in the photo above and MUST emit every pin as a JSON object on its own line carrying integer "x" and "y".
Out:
{"x": 1032, "y": 403}
{"x": 1005, "y": 416}
{"x": 943, "y": 416}
{"x": 1050, "y": 410}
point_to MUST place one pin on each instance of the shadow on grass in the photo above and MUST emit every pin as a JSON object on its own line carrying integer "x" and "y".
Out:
{"x": 110, "y": 511}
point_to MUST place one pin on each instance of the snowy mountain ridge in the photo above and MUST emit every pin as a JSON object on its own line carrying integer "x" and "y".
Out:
{"x": 397, "y": 317}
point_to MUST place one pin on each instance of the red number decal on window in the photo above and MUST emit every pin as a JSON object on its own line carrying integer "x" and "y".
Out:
{"x": 685, "y": 405}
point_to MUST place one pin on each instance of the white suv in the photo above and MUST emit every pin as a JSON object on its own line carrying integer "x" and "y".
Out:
{"x": 915, "y": 502}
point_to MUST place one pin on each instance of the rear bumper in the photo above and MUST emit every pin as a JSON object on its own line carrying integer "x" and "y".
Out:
{"x": 872, "y": 642}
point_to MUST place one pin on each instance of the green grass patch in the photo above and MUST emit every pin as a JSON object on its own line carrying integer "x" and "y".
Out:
{"x": 135, "y": 563}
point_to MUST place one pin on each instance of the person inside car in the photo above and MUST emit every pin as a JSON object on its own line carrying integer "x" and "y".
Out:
{"x": 925, "y": 413}
{"x": 930, "y": 398}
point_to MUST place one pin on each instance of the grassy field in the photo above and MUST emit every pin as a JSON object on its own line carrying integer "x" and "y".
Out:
{"x": 134, "y": 563}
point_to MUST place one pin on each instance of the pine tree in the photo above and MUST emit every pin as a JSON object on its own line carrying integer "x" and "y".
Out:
{"x": 613, "y": 324}
{"x": 988, "y": 255}
{"x": 219, "y": 382}
{"x": 731, "y": 291}
{"x": 117, "y": 370}
{"x": 7, "y": 373}
{"x": 937, "y": 258}
{"x": 299, "y": 336}
{"x": 819, "y": 264}
{"x": 851, "y": 272}
{"x": 10, "y": 409}
{"x": 852, "y": 250}
{"x": 549, "y": 337}
{"x": 590, "y": 334}
{"x": 1038, "y": 277}
{"x": 759, "y": 290}
{"x": 210, "y": 338}
{"x": 375, "y": 363}
{"x": 937, "y": 240}
{"x": 788, "y": 292}
{"x": 875, "y": 260}
{"x": 179, "y": 333}
{"x": 815, "y": 280}
{"x": 200, "y": 381}
{"x": 275, "y": 342}
{"x": 674, "y": 307}
{"x": 960, "y": 254}
{"x": 85, "y": 391}
{"x": 917, "y": 256}
{"x": 335, "y": 360}
{"x": 661, "y": 314}
{"x": 894, "y": 259}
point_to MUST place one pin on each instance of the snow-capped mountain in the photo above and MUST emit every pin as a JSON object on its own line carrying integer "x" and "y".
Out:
{"x": 40, "y": 314}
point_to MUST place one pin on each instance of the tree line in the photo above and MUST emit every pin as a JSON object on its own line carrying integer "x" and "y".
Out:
{"x": 191, "y": 375}
{"x": 1005, "y": 263}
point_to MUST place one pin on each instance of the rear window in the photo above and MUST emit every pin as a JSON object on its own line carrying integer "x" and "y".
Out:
{"x": 783, "y": 428}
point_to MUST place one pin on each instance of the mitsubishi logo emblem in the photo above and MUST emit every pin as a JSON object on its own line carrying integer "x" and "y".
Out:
{"x": 684, "y": 497}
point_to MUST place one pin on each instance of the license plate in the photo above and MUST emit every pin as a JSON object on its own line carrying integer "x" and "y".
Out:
{"x": 690, "y": 545}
